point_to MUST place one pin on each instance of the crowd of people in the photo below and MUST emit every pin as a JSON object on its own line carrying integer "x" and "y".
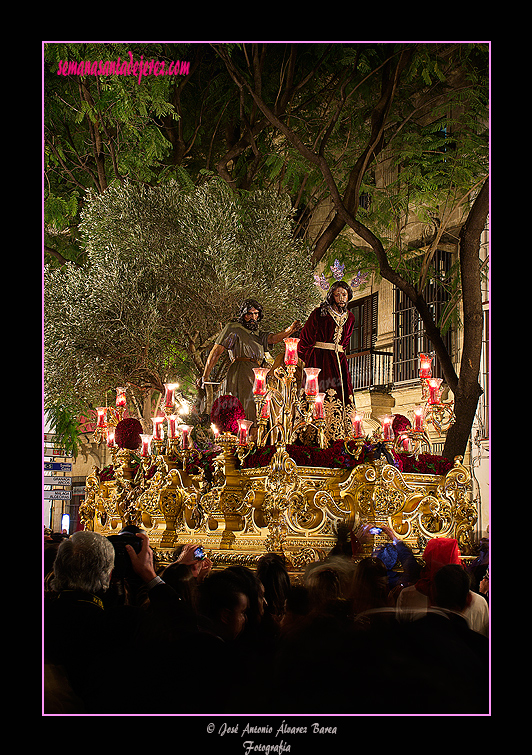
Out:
{"x": 353, "y": 634}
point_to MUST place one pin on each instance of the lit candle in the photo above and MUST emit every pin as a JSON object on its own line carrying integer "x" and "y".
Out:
{"x": 259, "y": 387}
{"x": 158, "y": 428}
{"x": 434, "y": 390}
{"x": 244, "y": 425}
{"x": 290, "y": 350}
{"x": 184, "y": 407}
{"x": 169, "y": 389}
{"x": 215, "y": 431}
{"x": 102, "y": 412}
{"x": 387, "y": 430}
{"x": 172, "y": 429}
{"x": 311, "y": 385}
{"x": 357, "y": 425}
{"x": 265, "y": 408}
{"x": 146, "y": 441}
{"x": 319, "y": 411}
{"x": 111, "y": 438}
{"x": 425, "y": 365}
{"x": 121, "y": 397}
{"x": 418, "y": 419}
{"x": 185, "y": 434}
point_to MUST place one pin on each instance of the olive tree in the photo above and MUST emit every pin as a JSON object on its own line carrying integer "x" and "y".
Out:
{"x": 166, "y": 267}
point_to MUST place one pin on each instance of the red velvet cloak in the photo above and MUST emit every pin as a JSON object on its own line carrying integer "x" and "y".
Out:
{"x": 321, "y": 328}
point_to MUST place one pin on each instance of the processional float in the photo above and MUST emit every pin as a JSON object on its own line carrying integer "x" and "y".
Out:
{"x": 287, "y": 484}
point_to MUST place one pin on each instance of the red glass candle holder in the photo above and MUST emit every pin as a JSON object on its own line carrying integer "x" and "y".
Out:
{"x": 319, "y": 409}
{"x": 169, "y": 390}
{"x": 358, "y": 431}
{"x": 311, "y": 384}
{"x": 425, "y": 365}
{"x": 259, "y": 386}
{"x": 102, "y": 416}
{"x": 146, "y": 442}
{"x": 172, "y": 420}
{"x": 265, "y": 408}
{"x": 418, "y": 419}
{"x": 290, "y": 351}
{"x": 121, "y": 397}
{"x": 185, "y": 434}
{"x": 404, "y": 442}
{"x": 243, "y": 430}
{"x": 434, "y": 390}
{"x": 158, "y": 428}
{"x": 387, "y": 429}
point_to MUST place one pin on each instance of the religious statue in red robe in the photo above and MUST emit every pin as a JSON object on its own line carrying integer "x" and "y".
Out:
{"x": 324, "y": 340}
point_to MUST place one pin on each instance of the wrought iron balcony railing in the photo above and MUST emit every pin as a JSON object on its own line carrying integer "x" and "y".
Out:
{"x": 371, "y": 369}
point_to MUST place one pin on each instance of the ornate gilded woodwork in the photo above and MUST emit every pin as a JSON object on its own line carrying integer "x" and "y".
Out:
{"x": 282, "y": 507}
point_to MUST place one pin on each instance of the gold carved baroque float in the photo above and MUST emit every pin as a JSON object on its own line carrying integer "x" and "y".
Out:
{"x": 281, "y": 507}
{"x": 245, "y": 509}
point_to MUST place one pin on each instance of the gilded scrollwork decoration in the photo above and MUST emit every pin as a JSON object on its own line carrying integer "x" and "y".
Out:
{"x": 242, "y": 509}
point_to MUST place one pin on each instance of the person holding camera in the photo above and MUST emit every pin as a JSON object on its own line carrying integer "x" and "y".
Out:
{"x": 196, "y": 559}
{"x": 76, "y": 666}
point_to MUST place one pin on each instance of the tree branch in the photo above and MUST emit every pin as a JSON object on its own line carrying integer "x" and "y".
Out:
{"x": 56, "y": 254}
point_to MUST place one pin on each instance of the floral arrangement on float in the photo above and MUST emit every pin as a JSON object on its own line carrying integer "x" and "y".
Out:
{"x": 398, "y": 441}
{"x": 341, "y": 455}
{"x": 128, "y": 435}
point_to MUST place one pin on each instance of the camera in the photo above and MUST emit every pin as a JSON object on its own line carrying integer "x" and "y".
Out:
{"x": 376, "y": 530}
{"x": 199, "y": 553}
{"x": 123, "y": 567}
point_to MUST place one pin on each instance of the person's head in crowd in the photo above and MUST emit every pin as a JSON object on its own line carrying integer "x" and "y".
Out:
{"x": 223, "y": 602}
{"x": 323, "y": 586}
{"x": 253, "y": 588}
{"x": 297, "y": 606}
{"x": 181, "y": 578}
{"x": 370, "y": 585}
{"x": 438, "y": 552}
{"x": 272, "y": 573}
{"x": 83, "y": 562}
{"x": 451, "y": 588}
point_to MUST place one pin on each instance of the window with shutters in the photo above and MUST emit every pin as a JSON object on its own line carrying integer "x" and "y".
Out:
{"x": 410, "y": 340}
{"x": 364, "y": 332}
{"x": 369, "y": 368}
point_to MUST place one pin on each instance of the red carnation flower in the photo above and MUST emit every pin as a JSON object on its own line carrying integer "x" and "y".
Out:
{"x": 127, "y": 434}
{"x": 226, "y": 412}
{"x": 400, "y": 424}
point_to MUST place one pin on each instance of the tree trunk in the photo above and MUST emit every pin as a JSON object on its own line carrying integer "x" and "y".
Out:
{"x": 468, "y": 390}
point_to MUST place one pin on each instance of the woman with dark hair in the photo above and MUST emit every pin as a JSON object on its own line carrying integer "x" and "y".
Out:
{"x": 271, "y": 571}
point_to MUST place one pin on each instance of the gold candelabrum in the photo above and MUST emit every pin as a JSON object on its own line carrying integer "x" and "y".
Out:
{"x": 435, "y": 412}
{"x": 244, "y": 509}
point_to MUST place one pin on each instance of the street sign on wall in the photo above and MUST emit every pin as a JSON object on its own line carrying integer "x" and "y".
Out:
{"x": 57, "y": 480}
{"x": 57, "y": 466}
{"x": 55, "y": 452}
{"x": 57, "y": 495}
